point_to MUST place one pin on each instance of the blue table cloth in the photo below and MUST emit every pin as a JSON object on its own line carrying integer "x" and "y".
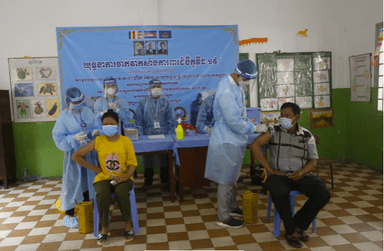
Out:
{"x": 144, "y": 144}
{"x": 200, "y": 140}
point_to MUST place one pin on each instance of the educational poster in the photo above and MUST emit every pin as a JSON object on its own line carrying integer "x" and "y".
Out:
{"x": 53, "y": 107}
{"x": 23, "y": 90}
{"x": 320, "y": 76}
{"x": 360, "y": 77}
{"x": 322, "y": 118}
{"x": 46, "y": 73}
{"x": 304, "y": 102}
{"x": 322, "y": 88}
{"x": 321, "y": 63}
{"x": 35, "y": 89}
{"x": 22, "y": 74}
{"x": 281, "y": 101}
{"x": 302, "y": 78}
{"x": 269, "y": 104}
{"x": 47, "y": 89}
{"x": 322, "y": 101}
{"x": 270, "y": 118}
{"x": 285, "y": 90}
{"x": 321, "y": 79}
{"x": 23, "y": 108}
{"x": 188, "y": 60}
{"x": 38, "y": 108}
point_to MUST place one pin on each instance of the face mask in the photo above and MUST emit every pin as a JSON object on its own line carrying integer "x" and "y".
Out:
{"x": 286, "y": 123}
{"x": 111, "y": 91}
{"x": 109, "y": 130}
{"x": 241, "y": 81}
{"x": 156, "y": 92}
{"x": 76, "y": 107}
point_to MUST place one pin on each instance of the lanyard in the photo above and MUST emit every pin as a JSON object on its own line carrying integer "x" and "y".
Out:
{"x": 113, "y": 101}
{"x": 156, "y": 109}
{"x": 82, "y": 124}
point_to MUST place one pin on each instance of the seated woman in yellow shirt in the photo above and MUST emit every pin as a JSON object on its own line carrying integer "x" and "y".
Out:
{"x": 117, "y": 164}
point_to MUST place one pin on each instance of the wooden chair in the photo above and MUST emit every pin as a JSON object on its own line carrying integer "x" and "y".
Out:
{"x": 317, "y": 138}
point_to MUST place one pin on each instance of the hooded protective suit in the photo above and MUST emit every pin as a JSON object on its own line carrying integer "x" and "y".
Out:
{"x": 205, "y": 117}
{"x": 76, "y": 179}
{"x": 229, "y": 134}
{"x": 151, "y": 110}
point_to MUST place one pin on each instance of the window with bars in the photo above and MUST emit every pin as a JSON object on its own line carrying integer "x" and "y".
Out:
{"x": 379, "y": 68}
{"x": 380, "y": 82}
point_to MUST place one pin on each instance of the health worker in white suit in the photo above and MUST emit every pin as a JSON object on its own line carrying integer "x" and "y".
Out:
{"x": 74, "y": 127}
{"x": 228, "y": 141}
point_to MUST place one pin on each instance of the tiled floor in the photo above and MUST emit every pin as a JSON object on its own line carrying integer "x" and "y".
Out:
{"x": 352, "y": 220}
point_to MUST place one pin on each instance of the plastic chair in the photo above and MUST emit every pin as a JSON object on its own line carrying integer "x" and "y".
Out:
{"x": 135, "y": 219}
{"x": 276, "y": 216}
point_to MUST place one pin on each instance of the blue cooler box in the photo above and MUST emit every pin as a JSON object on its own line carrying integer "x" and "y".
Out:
{"x": 253, "y": 113}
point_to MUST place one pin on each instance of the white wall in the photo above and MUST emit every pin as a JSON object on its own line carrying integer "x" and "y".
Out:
{"x": 28, "y": 27}
{"x": 345, "y": 27}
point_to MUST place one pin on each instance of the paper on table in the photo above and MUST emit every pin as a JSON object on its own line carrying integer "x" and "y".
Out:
{"x": 161, "y": 136}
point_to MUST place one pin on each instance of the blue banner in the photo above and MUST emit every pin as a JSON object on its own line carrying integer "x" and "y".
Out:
{"x": 188, "y": 60}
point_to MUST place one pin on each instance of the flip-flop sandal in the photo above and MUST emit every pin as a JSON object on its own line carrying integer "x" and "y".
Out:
{"x": 103, "y": 238}
{"x": 129, "y": 235}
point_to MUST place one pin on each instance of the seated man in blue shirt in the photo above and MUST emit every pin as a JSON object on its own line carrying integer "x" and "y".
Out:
{"x": 293, "y": 155}
{"x": 205, "y": 119}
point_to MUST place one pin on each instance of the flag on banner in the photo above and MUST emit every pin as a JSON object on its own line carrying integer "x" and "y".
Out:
{"x": 135, "y": 35}
{"x": 165, "y": 34}
{"x": 150, "y": 34}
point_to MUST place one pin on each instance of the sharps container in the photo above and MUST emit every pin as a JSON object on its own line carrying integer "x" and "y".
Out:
{"x": 253, "y": 113}
{"x": 250, "y": 207}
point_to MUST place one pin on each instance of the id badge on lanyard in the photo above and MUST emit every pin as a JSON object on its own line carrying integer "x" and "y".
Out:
{"x": 156, "y": 124}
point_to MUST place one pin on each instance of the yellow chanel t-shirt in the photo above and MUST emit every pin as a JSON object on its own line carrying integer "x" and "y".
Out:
{"x": 114, "y": 157}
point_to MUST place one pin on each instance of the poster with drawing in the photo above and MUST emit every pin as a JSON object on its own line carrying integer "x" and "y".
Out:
{"x": 46, "y": 73}
{"x": 269, "y": 104}
{"x": 304, "y": 78}
{"x": 322, "y": 88}
{"x": 304, "y": 102}
{"x": 23, "y": 108}
{"x": 322, "y": 101}
{"x": 35, "y": 89}
{"x": 360, "y": 77}
{"x": 321, "y": 63}
{"x": 286, "y": 64}
{"x": 284, "y": 100}
{"x": 38, "y": 108}
{"x": 320, "y": 76}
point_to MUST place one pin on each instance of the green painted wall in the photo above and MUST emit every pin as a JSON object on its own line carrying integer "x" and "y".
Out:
{"x": 364, "y": 130}
{"x": 36, "y": 151}
{"x": 357, "y": 136}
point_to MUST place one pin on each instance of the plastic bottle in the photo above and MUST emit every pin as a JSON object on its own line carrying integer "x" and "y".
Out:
{"x": 179, "y": 132}
{"x": 25, "y": 175}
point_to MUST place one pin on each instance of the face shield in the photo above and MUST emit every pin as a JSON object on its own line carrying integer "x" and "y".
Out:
{"x": 248, "y": 73}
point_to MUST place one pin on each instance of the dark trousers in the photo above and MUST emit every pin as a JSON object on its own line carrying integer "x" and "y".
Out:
{"x": 103, "y": 190}
{"x": 152, "y": 161}
{"x": 71, "y": 212}
{"x": 312, "y": 187}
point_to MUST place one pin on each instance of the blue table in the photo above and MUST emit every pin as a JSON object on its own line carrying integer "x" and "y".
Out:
{"x": 199, "y": 140}
{"x": 191, "y": 162}
{"x": 146, "y": 146}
